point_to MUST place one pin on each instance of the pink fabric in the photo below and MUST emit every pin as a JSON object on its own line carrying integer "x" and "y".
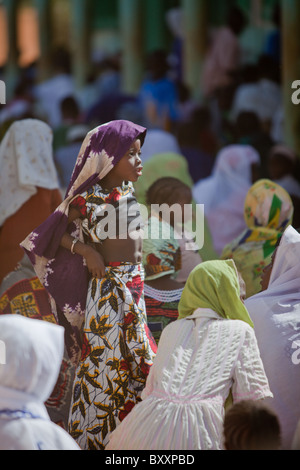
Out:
{"x": 223, "y": 56}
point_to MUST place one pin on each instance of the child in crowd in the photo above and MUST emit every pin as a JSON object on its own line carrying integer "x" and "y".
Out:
{"x": 89, "y": 254}
{"x": 250, "y": 425}
{"x": 282, "y": 168}
{"x": 169, "y": 254}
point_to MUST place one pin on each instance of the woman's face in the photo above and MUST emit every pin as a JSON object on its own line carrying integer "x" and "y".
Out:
{"x": 266, "y": 274}
{"x": 242, "y": 287}
{"x": 279, "y": 166}
{"x": 129, "y": 168}
{"x": 185, "y": 199}
{"x": 255, "y": 172}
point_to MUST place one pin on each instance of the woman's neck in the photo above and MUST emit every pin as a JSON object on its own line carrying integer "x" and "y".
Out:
{"x": 110, "y": 183}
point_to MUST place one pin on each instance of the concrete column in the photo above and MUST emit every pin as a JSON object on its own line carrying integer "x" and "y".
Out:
{"x": 44, "y": 21}
{"x": 256, "y": 13}
{"x": 155, "y": 25}
{"x": 11, "y": 69}
{"x": 132, "y": 41}
{"x": 195, "y": 17}
{"x": 291, "y": 69}
{"x": 80, "y": 40}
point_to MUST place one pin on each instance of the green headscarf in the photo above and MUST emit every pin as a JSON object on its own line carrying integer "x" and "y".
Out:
{"x": 158, "y": 166}
{"x": 214, "y": 285}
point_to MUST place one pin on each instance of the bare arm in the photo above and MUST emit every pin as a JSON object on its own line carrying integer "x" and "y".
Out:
{"x": 94, "y": 260}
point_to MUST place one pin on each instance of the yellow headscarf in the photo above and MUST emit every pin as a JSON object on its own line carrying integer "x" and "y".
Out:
{"x": 268, "y": 211}
{"x": 214, "y": 285}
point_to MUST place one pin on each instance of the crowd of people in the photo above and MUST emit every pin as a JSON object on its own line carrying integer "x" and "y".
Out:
{"x": 121, "y": 330}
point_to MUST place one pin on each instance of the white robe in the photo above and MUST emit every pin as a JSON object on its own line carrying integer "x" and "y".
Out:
{"x": 199, "y": 359}
{"x": 223, "y": 193}
{"x": 31, "y": 354}
{"x": 276, "y": 316}
{"x": 26, "y": 162}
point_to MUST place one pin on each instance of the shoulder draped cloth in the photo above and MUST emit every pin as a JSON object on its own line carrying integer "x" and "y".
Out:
{"x": 214, "y": 285}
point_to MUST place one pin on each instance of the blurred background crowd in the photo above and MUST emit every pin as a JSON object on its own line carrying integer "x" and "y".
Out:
{"x": 87, "y": 69}
{"x": 211, "y": 81}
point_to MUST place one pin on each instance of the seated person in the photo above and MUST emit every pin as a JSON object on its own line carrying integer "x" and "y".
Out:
{"x": 210, "y": 350}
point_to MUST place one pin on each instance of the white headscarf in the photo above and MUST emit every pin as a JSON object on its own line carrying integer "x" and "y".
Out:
{"x": 276, "y": 316}
{"x": 26, "y": 162}
{"x": 31, "y": 353}
{"x": 223, "y": 193}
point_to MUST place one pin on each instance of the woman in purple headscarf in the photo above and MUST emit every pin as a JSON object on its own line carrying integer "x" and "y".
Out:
{"x": 88, "y": 255}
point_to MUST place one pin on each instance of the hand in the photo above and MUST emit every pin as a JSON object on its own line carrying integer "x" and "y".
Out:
{"x": 95, "y": 263}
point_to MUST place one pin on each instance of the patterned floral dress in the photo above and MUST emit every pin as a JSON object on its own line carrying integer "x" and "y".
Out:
{"x": 106, "y": 334}
{"x": 118, "y": 348}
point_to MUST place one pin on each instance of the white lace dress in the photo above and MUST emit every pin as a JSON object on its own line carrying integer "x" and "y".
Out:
{"x": 199, "y": 360}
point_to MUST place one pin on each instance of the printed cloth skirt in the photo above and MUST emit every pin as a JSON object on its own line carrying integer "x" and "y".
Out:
{"x": 161, "y": 308}
{"x": 118, "y": 351}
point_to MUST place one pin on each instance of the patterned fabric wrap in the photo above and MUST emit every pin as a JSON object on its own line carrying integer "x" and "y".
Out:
{"x": 161, "y": 308}
{"x": 95, "y": 206}
{"x": 30, "y": 299}
{"x": 65, "y": 276}
{"x": 115, "y": 334}
{"x": 161, "y": 257}
{"x": 268, "y": 211}
{"x": 161, "y": 250}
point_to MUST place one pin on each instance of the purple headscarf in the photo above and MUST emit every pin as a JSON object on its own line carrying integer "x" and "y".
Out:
{"x": 64, "y": 275}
